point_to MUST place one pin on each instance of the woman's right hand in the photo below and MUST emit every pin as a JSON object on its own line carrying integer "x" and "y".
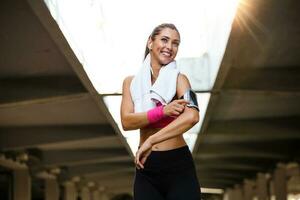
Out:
{"x": 175, "y": 108}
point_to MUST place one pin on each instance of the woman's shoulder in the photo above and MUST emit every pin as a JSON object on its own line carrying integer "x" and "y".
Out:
{"x": 182, "y": 79}
{"x": 183, "y": 84}
{"x": 128, "y": 79}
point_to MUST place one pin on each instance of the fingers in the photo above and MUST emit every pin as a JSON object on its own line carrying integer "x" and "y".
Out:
{"x": 182, "y": 101}
{"x": 179, "y": 107}
{"x": 176, "y": 107}
{"x": 174, "y": 112}
{"x": 141, "y": 158}
{"x": 139, "y": 165}
{"x": 137, "y": 161}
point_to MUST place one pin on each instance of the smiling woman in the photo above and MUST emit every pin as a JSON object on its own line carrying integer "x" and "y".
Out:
{"x": 107, "y": 39}
{"x": 163, "y": 44}
{"x": 151, "y": 102}
{"x": 164, "y": 48}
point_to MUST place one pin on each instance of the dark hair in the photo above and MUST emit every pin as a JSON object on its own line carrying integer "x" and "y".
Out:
{"x": 156, "y": 31}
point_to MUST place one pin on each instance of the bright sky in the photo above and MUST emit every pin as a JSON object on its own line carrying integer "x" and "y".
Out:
{"x": 109, "y": 38}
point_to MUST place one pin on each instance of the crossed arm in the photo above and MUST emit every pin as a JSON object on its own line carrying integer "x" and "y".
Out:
{"x": 129, "y": 119}
{"x": 132, "y": 121}
{"x": 187, "y": 118}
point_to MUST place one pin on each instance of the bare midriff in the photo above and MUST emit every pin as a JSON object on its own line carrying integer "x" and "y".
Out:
{"x": 169, "y": 144}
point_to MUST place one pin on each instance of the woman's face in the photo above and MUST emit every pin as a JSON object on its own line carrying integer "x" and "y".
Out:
{"x": 164, "y": 47}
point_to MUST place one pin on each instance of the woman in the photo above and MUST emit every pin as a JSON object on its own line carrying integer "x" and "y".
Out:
{"x": 159, "y": 101}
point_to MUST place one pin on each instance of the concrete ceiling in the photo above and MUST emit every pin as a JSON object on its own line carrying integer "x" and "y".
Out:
{"x": 49, "y": 108}
{"x": 252, "y": 119}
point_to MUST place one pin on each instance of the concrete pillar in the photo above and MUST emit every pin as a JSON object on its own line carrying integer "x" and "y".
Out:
{"x": 70, "y": 191}
{"x": 96, "y": 195}
{"x": 271, "y": 190}
{"x": 293, "y": 172}
{"x": 249, "y": 191}
{"x": 103, "y": 196}
{"x": 22, "y": 185}
{"x": 292, "y": 169}
{"x": 85, "y": 194}
{"x": 262, "y": 187}
{"x": 238, "y": 193}
{"x": 52, "y": 189}
{"x": 228, "y": 194}
{"x": 280, "y": 183}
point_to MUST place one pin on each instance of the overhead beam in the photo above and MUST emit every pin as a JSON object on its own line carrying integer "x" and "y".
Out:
{"x": 286, "y": 79}
{"x": 267, "y": 157}
{"x": 32, "y": 88}
{"x": 229, "y": 173}
{"x": 209, "y": 183}
{"x": 265, "y": 163}
{"x": 239, "y": 151}
{"x": 89, "y": 143}
{"x": 253, "y": 104}
{"x": 42, "y": 100}
{"x": 211, "y": 174}
{"x": 101, "y": 168}
{"x": 201, "y": 164}
{"x": 230, "y": 131}
{"x": 27, "y": 137}
{"x": 111, "y": 174}
{"x": 84, "y": 156}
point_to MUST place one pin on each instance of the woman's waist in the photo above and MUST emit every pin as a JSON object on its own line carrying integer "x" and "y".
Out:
{"x": 146, "y": 132}
{"x": 177, "y": 158}
{"x": 166, "y": 145}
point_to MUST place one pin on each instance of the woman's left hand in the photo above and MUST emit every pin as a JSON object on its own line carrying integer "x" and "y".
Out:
{"x": 142, "y": 154}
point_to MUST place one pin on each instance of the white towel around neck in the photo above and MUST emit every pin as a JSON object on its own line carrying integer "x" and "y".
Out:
{"x": 145, "y": 95}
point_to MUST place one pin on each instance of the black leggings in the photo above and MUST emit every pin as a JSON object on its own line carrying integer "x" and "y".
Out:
{"x": 168, "y": 175}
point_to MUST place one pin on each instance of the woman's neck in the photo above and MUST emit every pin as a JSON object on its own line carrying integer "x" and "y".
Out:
{"x": 155, "y": 67}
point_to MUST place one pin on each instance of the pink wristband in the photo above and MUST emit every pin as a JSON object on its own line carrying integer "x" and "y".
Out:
{"x": 155, "y": 114}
